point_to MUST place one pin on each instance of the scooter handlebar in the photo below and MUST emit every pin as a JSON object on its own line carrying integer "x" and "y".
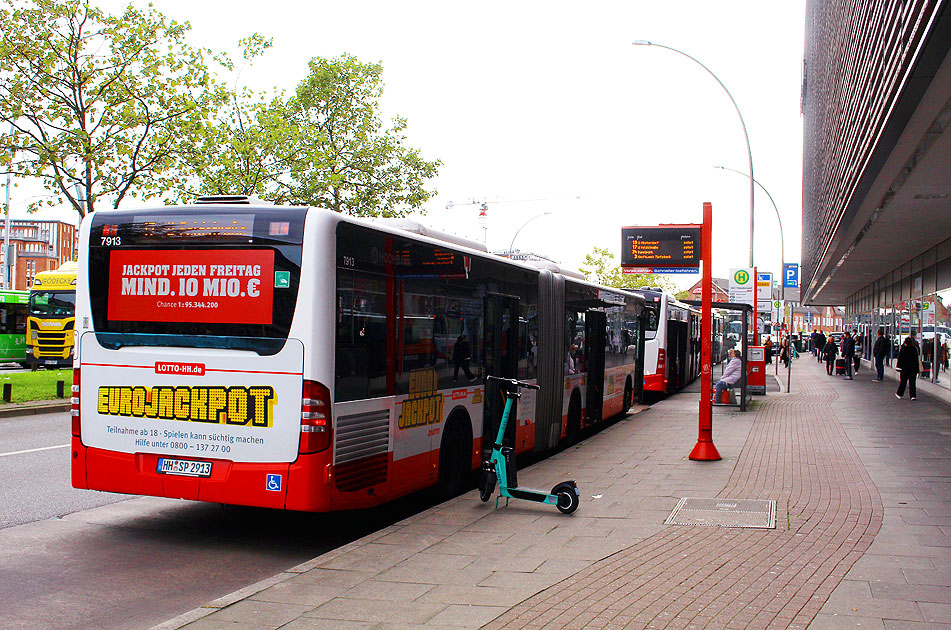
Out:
{"x": 512, "y": 382}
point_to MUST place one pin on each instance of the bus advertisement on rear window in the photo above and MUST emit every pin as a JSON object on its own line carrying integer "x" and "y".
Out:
{"x": 222, "y": 286}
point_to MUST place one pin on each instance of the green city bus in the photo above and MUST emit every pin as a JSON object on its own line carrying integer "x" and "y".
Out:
{"x": 13, "y": 313}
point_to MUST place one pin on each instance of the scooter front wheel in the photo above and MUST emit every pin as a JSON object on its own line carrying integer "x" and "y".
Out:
{"x": 486, "y": 483}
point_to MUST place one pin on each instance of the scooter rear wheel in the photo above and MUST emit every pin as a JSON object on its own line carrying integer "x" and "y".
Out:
{"x": 567, "y": 501}
{"x": 486, "y": 484}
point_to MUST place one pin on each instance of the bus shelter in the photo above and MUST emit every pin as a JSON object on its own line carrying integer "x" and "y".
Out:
{"x": 745, "y": 310}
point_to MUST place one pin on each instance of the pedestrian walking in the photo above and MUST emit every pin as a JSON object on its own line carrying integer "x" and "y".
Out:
{"x": 937, "y": 361}
{"x": 879, "y": 350}
{"x": 784, "y": 351}
{"x": 461, "y": 355}
{"x": 820, "y": 344}
{"x": 907, "y": 366}
{"x": 848, "y": 353}
{"x": 768, "y": 350}
{"x": 829, "y": 352}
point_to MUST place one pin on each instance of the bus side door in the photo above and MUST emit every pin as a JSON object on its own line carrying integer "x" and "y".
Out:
{"x": 595, "y": 323}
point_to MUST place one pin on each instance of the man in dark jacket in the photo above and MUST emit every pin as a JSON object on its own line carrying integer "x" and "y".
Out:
{"x": 829, "y": 352}
{"x": 820, "y": 343}
{"x": 848, "y": 353}
{"x": 907, "y": 365}
{"x": 879, "y": 350}
{"x": 461, "y": 355}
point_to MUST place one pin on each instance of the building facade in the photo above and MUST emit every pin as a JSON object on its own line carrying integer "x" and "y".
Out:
{"x": 37, "y": 246}
{"x": 876, "y": 102}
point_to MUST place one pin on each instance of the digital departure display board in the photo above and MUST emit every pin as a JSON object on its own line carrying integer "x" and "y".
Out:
{"x": 430, "y": 262}
{"x": 661, "y": 246}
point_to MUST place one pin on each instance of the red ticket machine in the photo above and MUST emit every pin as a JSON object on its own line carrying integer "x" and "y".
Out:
{"x": 756, "y": 370}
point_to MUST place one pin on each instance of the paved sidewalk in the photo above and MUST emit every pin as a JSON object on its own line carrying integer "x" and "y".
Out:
{"x": 862, "y": 484}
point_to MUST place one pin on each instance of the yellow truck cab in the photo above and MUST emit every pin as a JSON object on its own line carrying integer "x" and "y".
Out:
{"x": 51, "y": 318}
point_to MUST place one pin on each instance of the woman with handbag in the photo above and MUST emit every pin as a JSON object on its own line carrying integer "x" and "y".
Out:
{"x": 908, "y": 361}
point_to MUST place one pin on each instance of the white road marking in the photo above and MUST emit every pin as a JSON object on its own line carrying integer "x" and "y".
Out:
{"x": 34, "y": 450}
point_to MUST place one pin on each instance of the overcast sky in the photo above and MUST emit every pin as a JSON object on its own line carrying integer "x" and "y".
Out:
{"x": 540, "y": 107}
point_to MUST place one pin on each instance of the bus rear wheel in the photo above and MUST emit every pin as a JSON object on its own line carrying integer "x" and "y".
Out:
{"x": 628, "y": 396}
{"x": 574, "y": 419}
{"x": 453, "y": 462}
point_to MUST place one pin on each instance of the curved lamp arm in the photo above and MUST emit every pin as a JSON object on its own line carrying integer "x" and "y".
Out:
{"x": 749, "y": 152}
{"x": 512, "y": 244}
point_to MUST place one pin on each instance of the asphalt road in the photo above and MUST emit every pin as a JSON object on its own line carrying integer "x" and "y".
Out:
{"x": 34, "y": 471}
{"x": 80, "y": 559}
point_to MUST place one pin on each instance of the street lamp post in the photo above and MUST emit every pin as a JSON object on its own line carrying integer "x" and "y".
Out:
{"x": 749, "y": 152}
{"x": 782, "y": 239}
{"x": 538, "y": 216}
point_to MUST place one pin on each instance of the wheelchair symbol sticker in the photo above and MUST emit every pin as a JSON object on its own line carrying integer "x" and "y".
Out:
{"x": 273, "y": 483}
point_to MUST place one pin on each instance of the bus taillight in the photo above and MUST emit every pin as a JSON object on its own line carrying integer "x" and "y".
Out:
{"x": 661, "y": 360}
{"x": 314, "y": 418}
{"x": 74, "y": 403}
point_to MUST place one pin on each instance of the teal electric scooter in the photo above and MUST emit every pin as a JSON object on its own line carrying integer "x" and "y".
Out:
{"x": 501, "y": 464}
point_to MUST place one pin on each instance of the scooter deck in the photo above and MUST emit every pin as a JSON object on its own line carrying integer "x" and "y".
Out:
{"x": 529, "y": 494}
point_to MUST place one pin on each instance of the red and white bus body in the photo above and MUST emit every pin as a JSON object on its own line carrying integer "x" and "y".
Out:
{"x": 300, "y": 359}
{"x": 671, "y": 344}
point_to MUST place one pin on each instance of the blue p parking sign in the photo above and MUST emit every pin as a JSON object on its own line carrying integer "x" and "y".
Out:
{"x": 791, "y": 275}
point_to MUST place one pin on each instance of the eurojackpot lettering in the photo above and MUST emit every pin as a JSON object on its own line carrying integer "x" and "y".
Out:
{"x": 424, "y": 405}
{"x": 234, "y": 406}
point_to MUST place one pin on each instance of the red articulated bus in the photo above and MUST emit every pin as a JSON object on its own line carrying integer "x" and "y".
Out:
{"x": 296, "y": 358}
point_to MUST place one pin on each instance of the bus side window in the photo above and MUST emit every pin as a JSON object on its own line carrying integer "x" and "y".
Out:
{"x": 361, "y": 337}
{"x": 417, "y": 344}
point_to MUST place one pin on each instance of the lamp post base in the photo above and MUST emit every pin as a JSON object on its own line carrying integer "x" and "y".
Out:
{"x": 705, "y": 452}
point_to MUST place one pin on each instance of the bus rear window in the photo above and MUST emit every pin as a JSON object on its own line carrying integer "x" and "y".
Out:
{"x": 652, "y": 310}
{"x": 176, "y": 278}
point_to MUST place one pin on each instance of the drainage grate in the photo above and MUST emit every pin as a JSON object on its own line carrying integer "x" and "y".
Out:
{"x": 724, "y": 513}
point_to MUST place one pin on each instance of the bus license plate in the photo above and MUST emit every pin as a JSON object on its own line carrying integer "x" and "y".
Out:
{"x": 50, "y": 362}
{"x": 183, "y": 467}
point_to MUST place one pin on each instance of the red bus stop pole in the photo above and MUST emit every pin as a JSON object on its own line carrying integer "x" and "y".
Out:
{"x": 705, "y": 450}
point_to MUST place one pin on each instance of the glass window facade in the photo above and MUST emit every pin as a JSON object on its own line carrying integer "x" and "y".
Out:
{"x": 913, "y": 300}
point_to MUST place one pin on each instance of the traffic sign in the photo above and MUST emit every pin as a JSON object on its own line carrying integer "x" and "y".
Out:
{"x": 741, "y": 286}
{"x": 791, "y": 275}
{"x": 764, "y": 286}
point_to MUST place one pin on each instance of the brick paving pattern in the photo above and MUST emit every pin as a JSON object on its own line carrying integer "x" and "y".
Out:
{"x": 465, "y": 565}
{"x": 828, "y": 513}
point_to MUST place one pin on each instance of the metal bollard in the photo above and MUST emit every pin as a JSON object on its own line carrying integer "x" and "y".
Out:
{"x": 60, "y": 389}
{"x": 7, "y": 392}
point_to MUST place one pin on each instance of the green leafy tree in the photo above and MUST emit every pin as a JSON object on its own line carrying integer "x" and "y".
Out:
{"x": 102, "y": 107}
{"x": 249, "y": 148}
{"x": 599, "y": 267}
{"x": 349, "y": 162}
{"x": 324, "y": 146}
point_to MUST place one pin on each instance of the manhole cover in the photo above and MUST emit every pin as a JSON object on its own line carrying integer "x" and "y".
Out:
{"x": 724, "y": 513}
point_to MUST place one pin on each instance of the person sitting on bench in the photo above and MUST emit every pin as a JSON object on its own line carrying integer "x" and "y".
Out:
{"x": 732, "y": 373}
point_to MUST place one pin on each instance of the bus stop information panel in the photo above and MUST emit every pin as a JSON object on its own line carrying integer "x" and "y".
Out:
{"x": 664, "y": 246}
